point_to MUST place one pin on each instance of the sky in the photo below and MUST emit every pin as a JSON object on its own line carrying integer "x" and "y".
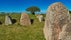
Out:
{"x": 21, "y": 5}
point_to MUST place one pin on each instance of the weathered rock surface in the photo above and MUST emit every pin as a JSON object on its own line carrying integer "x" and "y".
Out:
{"x": 65, "y": 34}
{"x": 25, "y": 20}
{"x": 8, "y": 20}
{"x": 57, "y": 22}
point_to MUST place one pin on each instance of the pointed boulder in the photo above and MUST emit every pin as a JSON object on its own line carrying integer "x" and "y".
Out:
{"x": 8, "y": 20}
{"x": 25, "y": 20}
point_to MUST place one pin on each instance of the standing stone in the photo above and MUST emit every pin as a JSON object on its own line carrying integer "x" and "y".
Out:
{"x": 25, "y": 20}
{"x": 40, "y": 18}
{"x": 57, "y": 18}
{"x": 8, "y": 20}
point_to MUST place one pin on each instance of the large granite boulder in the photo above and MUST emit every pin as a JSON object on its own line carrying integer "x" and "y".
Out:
{"x": 8, "y": 20}
{"x": 57, "y": 18}
{"x": 25, "y": 20}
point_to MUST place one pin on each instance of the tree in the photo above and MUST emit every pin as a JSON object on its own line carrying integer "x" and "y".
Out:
{"x": 33, "y": 9}
{"x": 70, "y": 12}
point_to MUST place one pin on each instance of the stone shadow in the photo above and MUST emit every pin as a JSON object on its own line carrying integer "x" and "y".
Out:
{"x": 0, "y": 23}
{"x": 14, "y": 21}
{"x": 43, "y": 19}
{"x": 31, "y": 20}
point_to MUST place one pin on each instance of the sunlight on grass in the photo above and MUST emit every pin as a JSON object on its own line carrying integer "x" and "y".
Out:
{"x": 18, "y": 32}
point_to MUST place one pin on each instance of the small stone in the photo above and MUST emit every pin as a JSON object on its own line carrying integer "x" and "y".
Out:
{"x": 40, "y": 18}
{"x": 25, "y": 20}
{"x": 8, "y": 20}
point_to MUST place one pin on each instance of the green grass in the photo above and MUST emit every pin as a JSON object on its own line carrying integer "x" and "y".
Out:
{"x": 18, "y": 32}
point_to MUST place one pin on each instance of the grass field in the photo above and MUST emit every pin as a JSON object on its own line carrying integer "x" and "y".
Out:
{"x": 18, "y": 32}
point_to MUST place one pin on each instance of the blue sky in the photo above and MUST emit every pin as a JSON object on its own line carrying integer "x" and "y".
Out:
{"x": 21, "y": 5}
